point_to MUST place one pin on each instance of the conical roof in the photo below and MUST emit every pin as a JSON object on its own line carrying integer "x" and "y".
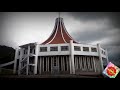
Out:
{"x": 59, "y": 34}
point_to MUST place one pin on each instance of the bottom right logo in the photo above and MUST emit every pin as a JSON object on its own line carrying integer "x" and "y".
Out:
{"x": 111, "y": 70}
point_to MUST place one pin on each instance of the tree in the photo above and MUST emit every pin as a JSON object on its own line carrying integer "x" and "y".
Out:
{"x": 6, "y": 54}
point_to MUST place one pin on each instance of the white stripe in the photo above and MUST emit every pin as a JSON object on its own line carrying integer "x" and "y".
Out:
{"x": 52, "y": 31}
{"x": 55, "y": 33}
{"x": 61, "y": 31}
{"x": 67, "y": 32}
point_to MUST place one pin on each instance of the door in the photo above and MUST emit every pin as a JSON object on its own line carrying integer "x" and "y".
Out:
{"x": 55, "y": 67}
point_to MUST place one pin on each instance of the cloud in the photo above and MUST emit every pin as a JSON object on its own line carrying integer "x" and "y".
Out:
{"x": 99, "y": 27}
{"x": 26, "y": 27}
{"x": 89, "y": 16}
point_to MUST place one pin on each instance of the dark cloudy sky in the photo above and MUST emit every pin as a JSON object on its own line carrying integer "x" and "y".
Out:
{"x": 18, "y": 28}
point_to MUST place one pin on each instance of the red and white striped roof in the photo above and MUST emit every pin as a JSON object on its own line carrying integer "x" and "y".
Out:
{"x": 59, "y": 34}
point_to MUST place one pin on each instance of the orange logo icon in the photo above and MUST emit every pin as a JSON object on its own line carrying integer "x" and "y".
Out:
{"x": 111, "y": 71}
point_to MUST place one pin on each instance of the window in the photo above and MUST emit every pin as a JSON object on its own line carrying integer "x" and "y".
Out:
{"x": 53, "y": 48}
{"x": 85, "y": 48}
{"x": 34, "y": 51}
{"x": 32, "y": 60}
{"x": 77, "y": 48}
{"x": 24, "y": 51}
{"x": 31, "y": 50}
{"x": 64, "y": 48}
{"x": 43, "y": 49}
{"x": 102, "y": 52}
{"x": 19, "y": 53}
{"x": 93, "y": 49}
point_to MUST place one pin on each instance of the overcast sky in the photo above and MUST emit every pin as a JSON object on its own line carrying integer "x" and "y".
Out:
{"x": 18, "y": 28}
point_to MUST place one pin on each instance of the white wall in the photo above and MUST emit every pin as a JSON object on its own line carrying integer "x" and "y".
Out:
{"x": 59, "y": 52}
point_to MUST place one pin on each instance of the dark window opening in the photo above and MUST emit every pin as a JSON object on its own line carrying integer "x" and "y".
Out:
{"x": 104, "y": 53}
{"x": 64, "y": 48}
{"x": 24, "y": 51}
{"x": 53, "y": 48}
{"x": 19, "y": 53}
{"x": 77, "y": 48}
{"x": 85, "y": 48}
{"x": 93, "y": 49}
{"x": 34, "y": 51}
{"x": 43, "y": 49}
{"x": 31, "y": 50}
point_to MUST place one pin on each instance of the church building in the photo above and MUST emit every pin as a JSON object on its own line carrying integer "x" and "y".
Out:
{"x": 59, "y": 54}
